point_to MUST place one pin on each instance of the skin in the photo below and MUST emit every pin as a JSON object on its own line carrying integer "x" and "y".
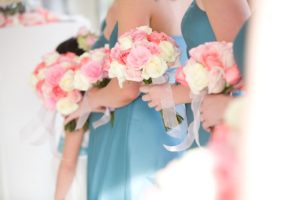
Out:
{"x": 234, "y": 13}
{"x": 129, "y": 14}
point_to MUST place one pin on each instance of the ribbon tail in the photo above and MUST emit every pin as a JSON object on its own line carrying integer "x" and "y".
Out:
{"x": 39, "y": 128}
{"x": 103, "y": 120}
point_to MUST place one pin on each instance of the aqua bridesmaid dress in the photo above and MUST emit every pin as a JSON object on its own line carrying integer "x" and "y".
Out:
{"x": 196, "y": 30}
{"x": 239, "y": 48}
{"x": 123, "y": 156}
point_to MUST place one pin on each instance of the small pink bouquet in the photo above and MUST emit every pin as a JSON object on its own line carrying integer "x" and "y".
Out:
{"x": 211, "y": 69}
{"x": 61, "y": 80}
{"x": 143, "y": 55}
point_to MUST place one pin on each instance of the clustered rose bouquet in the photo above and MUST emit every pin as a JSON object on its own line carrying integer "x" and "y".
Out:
{"x": 38, "y": 16}
{"x": 143, "y": 55}
{"x": 61, "y": 80}
{"x": 211, "y": 69}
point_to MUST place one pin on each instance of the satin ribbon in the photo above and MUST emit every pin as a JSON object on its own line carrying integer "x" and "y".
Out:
{"x": 193, "y": 129}
{"x": 85, "y": 113}
{"x": 168, "y": 107}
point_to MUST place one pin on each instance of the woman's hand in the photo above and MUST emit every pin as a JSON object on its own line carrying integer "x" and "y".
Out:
{"x": 154, "y": 94}
{"x": 90, "y": 106}
{"x": 212, "y": 110}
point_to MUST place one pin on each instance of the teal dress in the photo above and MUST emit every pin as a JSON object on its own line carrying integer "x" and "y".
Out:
{"x": 124, "y": 156}
{"x": 196, "y": 30}
{"x": 239, "y": 48}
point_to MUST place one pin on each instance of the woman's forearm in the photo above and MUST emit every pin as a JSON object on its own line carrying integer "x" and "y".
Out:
{"x": 115, "y": 97}
{"x": 181, "y": 94}
{"x": 68, "y": 163}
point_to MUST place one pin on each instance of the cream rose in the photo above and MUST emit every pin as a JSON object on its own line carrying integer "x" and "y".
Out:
{"x": 117, "y": 70}
{"x": 196, "y": 77}
{"x": 33, "y": 80}
{"x": 146, "y": 29}
{"x": 168, "y": 51}
{"x": 81, "y": 82}
{"x": 125, "y": 43}
{"x": 65, "y": 106}
{"x": 51, "y": 58}
{"x": 155, "y": 68}
{"x": 67, "y": 81}
{"x": 41, "y": 74}
{"x": 233, "y": 114}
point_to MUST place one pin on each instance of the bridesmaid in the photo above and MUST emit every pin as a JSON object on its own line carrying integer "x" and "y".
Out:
{"x": 124, "y": 157}
{"x": 200, "y": 21}
{"x": 71, "y": 145}
{"x": 196, "y": 30}
{"x": 235, "y": 13}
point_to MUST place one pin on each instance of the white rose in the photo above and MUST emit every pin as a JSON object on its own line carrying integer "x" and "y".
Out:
{"x": 41, "y": 74}
{"x": 233, "y": 115}
{"x": 217, "y": 82}
{"x": 125, "y": 43}
{"x": 33, "y": 80}
{"x": 51, "y": 58}
{"x": 81, "y": 82}
{"x": 146, "y": 29}
{"x": 117, "y": 70}
{"x": 65, "y": 106}
{"x": 156, "y": 67}
{"x": 196, "y": 77}
{"x": 168, "y": 51}
{"x": 67, "y": 81}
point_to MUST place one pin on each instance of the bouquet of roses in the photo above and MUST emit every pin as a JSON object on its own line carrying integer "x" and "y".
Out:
{"x": 143, "y": 55}
{"x": 61, "y": 80}
{"x": 211, "y": 69}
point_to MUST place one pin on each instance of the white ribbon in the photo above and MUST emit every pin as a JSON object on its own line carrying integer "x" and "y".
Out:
{"x": 193, "y": 130}
{"x": 85, "y": 113}
{"x": 169, "y": 113}
{"x": 103, "y": 120}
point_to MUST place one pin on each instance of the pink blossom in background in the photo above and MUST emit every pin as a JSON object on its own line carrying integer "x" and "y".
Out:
{"x": 138, "y": 57}
{"x": 54, "y": 75}
{"x": 2, "y": 20}
{"x": 31, "y": 19}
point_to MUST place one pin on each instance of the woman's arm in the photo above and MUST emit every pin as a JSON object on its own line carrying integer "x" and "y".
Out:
{"x": 68, "y": 163}
{"x": 226, "y": 16}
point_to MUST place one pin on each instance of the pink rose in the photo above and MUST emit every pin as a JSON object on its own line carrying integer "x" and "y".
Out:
{"x": 232, "y": 75}
{"x": 180, "y": 77}
{"x": 207, "y": 56}
{"x": 138, "y": 35}
{"x": 157, "y": 37}
{"x": 153, "y": 48}
{"x": 138, "y": 57}
{"x": 54, "y": 74}
{"x": 134, "y": 75}
{"x": 39, "y": 87}
{"x": 50, "y": 103}
{"x": 38, "y": 68}
{"x": 57, "y": 93}
{"x": 93, "y": 71}
{"x": 75, "y": 96}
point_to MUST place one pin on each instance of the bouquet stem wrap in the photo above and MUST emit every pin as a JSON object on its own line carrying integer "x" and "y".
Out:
{"x": 193, "y": 130}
